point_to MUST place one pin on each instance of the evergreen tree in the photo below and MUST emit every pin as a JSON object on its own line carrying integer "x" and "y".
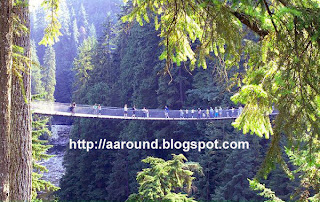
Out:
{"x": 6, "y": 43}
{"x": 83, "y": 23}
{"x": 36, "y": 84}
{"x": 83, "y": 17}
{"x": 39, "y": 149}
{"x": 75, "y": 32}
{"x": 83, "y": 64}
{"x": 20, "y": 163}
{"x": 164, "y": 178}
{"x": 239, "y": 166}
{"x": 49, "y": 73}
{"x": 92, "y": 31}
{"x": 64, "y": 18}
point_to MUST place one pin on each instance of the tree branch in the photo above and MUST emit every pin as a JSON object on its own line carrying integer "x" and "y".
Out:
{"x": 270, "y": 14}
{"x": 283, "y": 2}
{"x": 246, "y": 20}
{"x": 254, "y": 26}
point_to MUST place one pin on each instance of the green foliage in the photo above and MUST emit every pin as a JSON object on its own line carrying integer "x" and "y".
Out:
{"x": 52, "y": 31}
{"x": 64, "y": 18}
{"x": 21, "y": 62}
{"x": 84, "y": 18}
{"x": 126, "y": 70}
{"x": 183, "y": 23}
{"x": 42, "y": 86}
{"x": 265, "y": 192}
{"x": 39, "y": 149}
{"x": 164, "y": 177}
{"x": 49, "y": 73}
{"x": 75, "y": 31}
{"x": 308, "y": 164}
{"x": 92, "y": 31}
{"x": 281, "y": 69}
{"x": 255, "y": 116}
{"x": 83, "y": 63}
{"x": 36, "y": 83}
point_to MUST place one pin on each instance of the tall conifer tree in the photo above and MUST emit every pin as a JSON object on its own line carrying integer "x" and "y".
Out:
{"x": 49, "y": 73}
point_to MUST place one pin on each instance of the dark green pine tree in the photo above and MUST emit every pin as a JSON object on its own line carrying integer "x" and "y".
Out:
{"x": 208, "y": 89}
{"x": 105, "y": 72}
{"x": 118, "y": 181}
{"x": 138, "y": 66}
{"x": 82, "y": 66}
{"x": 212, "y": 161}
{"x": 39, "y": 153}
{"x": 49, "y": 73}
{"x": 239, "y": 166}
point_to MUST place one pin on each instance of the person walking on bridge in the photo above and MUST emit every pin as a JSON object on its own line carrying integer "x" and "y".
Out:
{"x": 192, "y": 113}
{"x": 199, "y": 113}
{"x": 187, "y": 113}
{"x": 166, "y": 111}
{"x": 73, "y": 107}
{"x": 145, "y": 112}
{"x": 208, "y": 113}
{"x": 211, "y": 112}
{"x": 134, "y": 111}
{"x": 216, "y": 112}
{"x": 232, "y": 112}
{"x": 181, "y": 113}
{"x": 95, "y": 108}
{"x": 70, "y": 108}
{"x": 220, "y": 111}
{"x": 99, "y": 109}
{"x": 125, "y": 110}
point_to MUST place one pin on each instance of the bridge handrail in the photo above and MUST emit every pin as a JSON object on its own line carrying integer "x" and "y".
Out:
{"x": 118, "y": 112}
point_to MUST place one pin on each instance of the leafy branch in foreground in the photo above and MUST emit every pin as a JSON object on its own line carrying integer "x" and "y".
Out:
{"x": 52, "y": 31}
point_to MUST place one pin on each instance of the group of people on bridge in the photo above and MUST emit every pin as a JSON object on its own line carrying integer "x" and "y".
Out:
{"x": 210, "y": 112}
{"x": 192, "y": 113}
{"x": 145, "y": 112}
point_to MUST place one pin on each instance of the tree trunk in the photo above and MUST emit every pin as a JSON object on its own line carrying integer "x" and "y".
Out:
{"x": 20, "y": 149}
{"x": 5, "y": 95}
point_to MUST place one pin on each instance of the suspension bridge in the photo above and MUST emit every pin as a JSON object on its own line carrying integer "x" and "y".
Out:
{"x": 88, "y": 111}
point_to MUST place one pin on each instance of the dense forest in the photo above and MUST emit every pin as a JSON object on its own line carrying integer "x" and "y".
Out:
{"x": 154, "y": 53}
